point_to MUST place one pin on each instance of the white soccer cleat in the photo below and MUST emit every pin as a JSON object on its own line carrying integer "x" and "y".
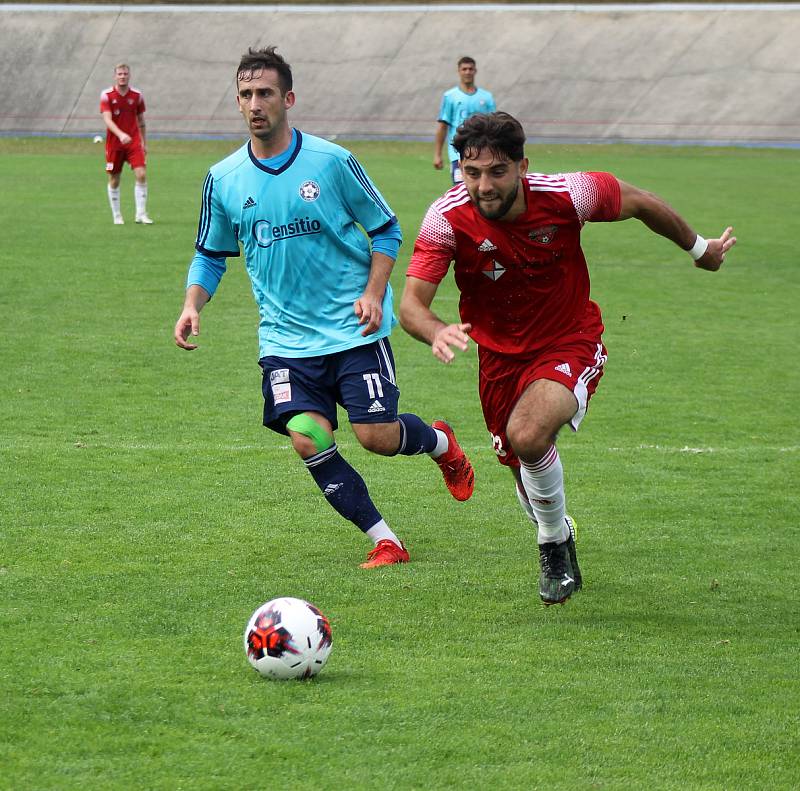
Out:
{"x": 143, "y": 219}
{"x": 118, "y": 220}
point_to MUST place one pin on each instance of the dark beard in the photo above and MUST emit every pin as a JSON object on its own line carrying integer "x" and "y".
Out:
{"x": 503, "y": 209}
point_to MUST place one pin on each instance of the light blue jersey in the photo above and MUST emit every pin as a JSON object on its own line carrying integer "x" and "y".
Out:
{"x": 457, "y": 106}
{"x": 297, "y": 223}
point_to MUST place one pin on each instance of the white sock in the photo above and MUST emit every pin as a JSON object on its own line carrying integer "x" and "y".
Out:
{"x": 140, "y": 196}
{"x": 442, "y": 444}
{"x": 526, "y": 506}
{"x": 381, "y": 531}
{"x": 544, "y": 484}
{"x": 113, "y": 199}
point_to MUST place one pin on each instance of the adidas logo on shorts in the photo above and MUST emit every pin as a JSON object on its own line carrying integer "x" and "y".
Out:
{"x": 564, "y": 368}
{"x": 377, "y": 406}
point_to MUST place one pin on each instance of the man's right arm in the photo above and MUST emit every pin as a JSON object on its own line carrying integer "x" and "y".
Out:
{"x": 114, "y": 129}
{"x": 189, "y": 321}
{"x": 438, "y": 143}
{"x": 205, "y": 273}
{"x": 420, "y": 322}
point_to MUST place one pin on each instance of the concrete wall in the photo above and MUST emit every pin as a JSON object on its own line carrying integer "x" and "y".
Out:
{"x": 707, "y": 73}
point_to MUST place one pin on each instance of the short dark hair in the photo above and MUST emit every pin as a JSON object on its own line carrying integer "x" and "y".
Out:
{"x": 466, "y": 59}
{"x": 254, "y": 61}
{"x": 500, "y": 133}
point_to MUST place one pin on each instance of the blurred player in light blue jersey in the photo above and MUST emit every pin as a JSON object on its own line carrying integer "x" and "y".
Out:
{"x": 458, "y": 104}
{"x": 296, "y": 205}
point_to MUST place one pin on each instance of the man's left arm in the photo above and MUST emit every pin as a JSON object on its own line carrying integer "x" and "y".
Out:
{"x": 142, "y": 130}
{"x": 662, "y": 219}
{"x": 369, "y": 306}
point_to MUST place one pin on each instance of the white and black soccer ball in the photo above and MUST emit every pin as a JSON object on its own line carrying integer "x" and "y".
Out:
{"x": 288, "y": 638}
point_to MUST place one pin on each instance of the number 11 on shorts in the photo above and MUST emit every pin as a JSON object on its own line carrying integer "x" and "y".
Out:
{"x": 374, "y": 385}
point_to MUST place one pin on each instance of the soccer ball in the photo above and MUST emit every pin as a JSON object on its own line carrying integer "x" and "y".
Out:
{"x": 288, "y": 638}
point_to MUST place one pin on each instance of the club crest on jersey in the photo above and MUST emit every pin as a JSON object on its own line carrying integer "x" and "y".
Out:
{"x": 494, "y": 271}
{"x": 543, "y": 235}
{"x": 309, "y": 191}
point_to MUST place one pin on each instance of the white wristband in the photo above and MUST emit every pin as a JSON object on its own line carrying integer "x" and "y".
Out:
{"x": 699, "y": 249}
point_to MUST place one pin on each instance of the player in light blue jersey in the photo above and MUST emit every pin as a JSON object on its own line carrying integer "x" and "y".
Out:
{"x": 319, "y": 243}
{"x": 458, "y": 104}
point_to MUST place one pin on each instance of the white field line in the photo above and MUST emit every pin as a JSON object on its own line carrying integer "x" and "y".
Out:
{"x": 246, "y": 448}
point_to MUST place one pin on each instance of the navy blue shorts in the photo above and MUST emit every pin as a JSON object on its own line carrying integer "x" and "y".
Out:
{"x": 362, "y": 380}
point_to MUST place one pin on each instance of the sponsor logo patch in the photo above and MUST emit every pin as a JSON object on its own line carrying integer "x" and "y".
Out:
{"x": 495, "y": 271}
{"x": 281, "y": 393}
{"x": 266, "y": 233}
{"x": 278, "y": 376}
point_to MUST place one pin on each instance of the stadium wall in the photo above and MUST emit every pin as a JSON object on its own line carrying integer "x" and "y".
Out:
{"x": 707, "y": 73}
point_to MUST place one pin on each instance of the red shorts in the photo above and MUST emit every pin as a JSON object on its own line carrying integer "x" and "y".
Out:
{"x": 117, "y": 155}
{"x": 576, "y": 362}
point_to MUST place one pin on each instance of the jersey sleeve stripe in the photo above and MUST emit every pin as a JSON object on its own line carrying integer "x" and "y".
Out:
{"x": 387, "y": 360}
{"x": 359, "y": 173}
{"x": 204, "y": 225}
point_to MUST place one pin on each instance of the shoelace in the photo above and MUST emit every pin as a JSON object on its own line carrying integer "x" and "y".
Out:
{"x": 554, "y": 561}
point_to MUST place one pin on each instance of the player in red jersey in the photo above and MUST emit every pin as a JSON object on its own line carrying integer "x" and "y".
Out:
{"x": 122, "y": 108}
{"x": 515, "y": 239}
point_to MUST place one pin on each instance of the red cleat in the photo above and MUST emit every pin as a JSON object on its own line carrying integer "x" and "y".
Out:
{"x": 385, "y": 553}
{"x": 455, "y": 466}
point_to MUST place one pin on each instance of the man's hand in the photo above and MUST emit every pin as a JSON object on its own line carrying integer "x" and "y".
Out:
{"x": 714, "y": 255}
{"x": 125, "y": 138}
{"x": 450, "y": 335}
{"x": 437, "y": 161}
{"x": 188, "y": 323}
{"x": 369, "y": 311}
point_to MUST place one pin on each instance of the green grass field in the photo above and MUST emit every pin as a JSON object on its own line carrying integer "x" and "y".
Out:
{"x": 145, "y": 513}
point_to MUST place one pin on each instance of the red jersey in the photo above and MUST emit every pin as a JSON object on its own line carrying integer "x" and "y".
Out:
{"x": 125, "y": 111}
{"x": 524, "y": 283}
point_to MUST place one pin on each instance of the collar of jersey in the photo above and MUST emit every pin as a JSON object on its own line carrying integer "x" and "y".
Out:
{"x": 294, "y": 148}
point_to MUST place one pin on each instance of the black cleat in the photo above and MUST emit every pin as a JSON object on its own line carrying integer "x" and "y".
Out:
{"x": 557, "y": 579}
{"x": 573, "y": 557}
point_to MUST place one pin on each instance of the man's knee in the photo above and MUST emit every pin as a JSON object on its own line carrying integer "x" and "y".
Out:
{"x": 529, "y": 439}
{"x": 380, "y": 438}
{"x": 308, "y": 436}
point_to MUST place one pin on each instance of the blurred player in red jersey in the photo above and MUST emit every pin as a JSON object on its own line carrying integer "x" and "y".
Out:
{"x": 123, "y": 109}
{"x": 515, "y": 239}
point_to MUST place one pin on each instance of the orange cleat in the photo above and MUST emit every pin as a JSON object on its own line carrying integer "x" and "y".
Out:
{"x": 455, "y": 466}
{"x": 386, "y": 553}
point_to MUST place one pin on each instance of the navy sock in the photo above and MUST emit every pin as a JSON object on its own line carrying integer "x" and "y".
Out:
{"x": 343, "y": 488}
{"x": 416, "y": 436}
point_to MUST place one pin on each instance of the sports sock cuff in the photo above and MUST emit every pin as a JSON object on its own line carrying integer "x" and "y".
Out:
{"x": 537, "y": 467}
{"x": 321, "y": 458}
{"x": 416, "y": 436}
